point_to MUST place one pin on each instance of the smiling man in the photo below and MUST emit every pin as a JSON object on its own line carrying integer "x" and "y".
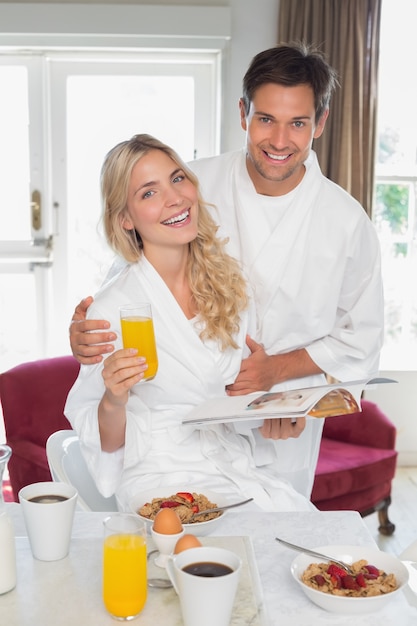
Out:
{"x": 308, "y": 248}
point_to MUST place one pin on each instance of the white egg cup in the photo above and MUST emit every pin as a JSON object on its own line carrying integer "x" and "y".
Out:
{"x": 165, "y": 545}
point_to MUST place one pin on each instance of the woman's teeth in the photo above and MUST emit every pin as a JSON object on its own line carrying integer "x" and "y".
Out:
{"x": 178, "y": 218}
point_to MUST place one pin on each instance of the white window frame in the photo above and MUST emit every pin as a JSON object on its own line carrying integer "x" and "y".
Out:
{"x": 75, "y": 30}
{"x": 204, "y": 67}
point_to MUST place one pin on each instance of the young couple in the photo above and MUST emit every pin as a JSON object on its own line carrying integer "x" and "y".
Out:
{"x": 310, "y": 256}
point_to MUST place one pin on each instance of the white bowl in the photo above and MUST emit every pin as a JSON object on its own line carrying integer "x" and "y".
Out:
{"x": 339, "y": 604}
{"x": 196, "y": 528}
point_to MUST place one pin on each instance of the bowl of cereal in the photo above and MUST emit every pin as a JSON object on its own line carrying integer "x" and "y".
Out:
{"x": 185, "y": 501}
{"x": 377, "y": 578}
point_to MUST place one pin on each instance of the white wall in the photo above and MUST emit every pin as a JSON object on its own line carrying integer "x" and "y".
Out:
{"x": 254, "y": 25}
{"x": 399, "y": 403}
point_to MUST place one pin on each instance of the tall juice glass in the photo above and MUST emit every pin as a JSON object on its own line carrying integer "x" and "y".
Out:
{"x": 124, "y": 566}
{"x": 138, "y": 332}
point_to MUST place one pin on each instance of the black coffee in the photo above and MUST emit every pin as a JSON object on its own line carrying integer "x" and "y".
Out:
{"x": 48, "y": 499}
{"x": 207, "y": 569}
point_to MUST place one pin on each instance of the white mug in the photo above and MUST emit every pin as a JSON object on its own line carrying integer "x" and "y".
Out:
{"x": 48, "y": 510}
{"x": 211, "y": 597}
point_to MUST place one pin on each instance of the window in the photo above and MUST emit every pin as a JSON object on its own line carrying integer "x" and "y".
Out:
{"x": 60, "y": 113}
{"x": 395, "y": 212}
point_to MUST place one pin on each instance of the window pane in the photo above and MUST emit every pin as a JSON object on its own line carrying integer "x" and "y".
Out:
{"x": 19, "y": 332}
{"x": 391, "y": 209}
{"x": 14, "y": 154}
{"x": 101, "y": 111}
{"x": 396, "y": 185}
{"x": 397, "y": 121}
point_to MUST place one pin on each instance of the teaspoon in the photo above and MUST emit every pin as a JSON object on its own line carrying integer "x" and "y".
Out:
{"x": 220, "y": 508}
{"x": 159, "y": 583}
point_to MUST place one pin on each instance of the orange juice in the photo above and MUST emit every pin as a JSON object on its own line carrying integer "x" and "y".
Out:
{"x": 137, "y": 332}
{"x": 124, "y": 574}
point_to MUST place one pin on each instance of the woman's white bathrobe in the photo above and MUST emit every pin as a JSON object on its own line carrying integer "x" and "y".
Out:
{"x": 159, "y": 450}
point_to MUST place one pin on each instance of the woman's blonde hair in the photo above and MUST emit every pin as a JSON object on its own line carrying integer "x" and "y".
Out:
{"x": 215, "y": 278}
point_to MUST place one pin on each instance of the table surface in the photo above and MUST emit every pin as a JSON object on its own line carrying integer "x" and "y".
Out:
{"x": 45, "y": 591}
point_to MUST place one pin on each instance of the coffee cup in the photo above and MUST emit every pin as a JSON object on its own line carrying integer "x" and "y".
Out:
{"x": 48, "y": 510}
{"x": 206, "y": 580}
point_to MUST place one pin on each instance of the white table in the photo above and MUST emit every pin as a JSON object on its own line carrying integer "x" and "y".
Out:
{"x": 42, "y": 591}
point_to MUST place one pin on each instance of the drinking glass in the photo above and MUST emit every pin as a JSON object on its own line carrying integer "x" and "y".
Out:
{"x": 138, "y": 332}
{"x": 124, "y": 565}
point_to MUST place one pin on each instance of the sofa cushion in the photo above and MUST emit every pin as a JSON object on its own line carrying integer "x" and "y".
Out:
{"x": 33, "y": 396}
{"x": 369, "y": 427}
{"x": 365, "y": 501}
{"x": 345, "y": 468}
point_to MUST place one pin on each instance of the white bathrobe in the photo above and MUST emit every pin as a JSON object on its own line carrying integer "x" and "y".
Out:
{"x": 313, "y": 261}
{"x": 159, "y": 450}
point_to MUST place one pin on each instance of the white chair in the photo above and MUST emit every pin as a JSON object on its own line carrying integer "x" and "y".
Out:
{"x": 67, "y": 464}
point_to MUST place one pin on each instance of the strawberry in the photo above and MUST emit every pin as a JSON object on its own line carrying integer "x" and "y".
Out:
{"x": 336, "y": 581}
{"x": 320, "y": 580}
{"x": 361, "y": 580}
{"x": 336, "y": 570}
{"x": 349, "y": 582}
{"x": 169, "y": 504}
{"x": 185, "y": 495}
{"x": 371, "y": 569}
{"x": 195, "y": 508}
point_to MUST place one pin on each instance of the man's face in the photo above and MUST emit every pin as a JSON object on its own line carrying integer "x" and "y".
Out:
{"x": 280, "y": 128}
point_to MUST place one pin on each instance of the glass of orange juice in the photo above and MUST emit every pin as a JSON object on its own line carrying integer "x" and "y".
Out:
{"x": 124, "y": 565}
{"x": 138, "y": 332}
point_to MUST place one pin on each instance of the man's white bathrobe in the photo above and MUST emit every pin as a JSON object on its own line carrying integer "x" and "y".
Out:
{"x": 159, "y": 450}
{"x": 313, "y": 262}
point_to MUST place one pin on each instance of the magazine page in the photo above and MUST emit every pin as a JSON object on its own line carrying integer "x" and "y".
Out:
{"x": 321, "y": 401}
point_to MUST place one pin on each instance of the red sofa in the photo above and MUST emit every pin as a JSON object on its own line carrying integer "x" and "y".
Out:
{"x": 33, "y": 397}
{"x": 356, "y": 464}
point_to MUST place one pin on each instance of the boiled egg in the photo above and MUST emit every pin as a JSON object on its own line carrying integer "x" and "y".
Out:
{"x": 185, "y": 542}
{"x": 167, "y": 522}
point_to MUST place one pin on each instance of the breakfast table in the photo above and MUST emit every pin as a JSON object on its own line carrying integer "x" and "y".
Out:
{"x": 68, "y": 592}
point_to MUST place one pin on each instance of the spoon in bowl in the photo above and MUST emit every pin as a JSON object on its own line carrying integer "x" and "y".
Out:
{"x": 318, "y": 555}
{"x": 220, "y": 508}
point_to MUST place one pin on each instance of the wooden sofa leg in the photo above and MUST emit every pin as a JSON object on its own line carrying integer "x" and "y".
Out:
{"x": 386, "y": 527}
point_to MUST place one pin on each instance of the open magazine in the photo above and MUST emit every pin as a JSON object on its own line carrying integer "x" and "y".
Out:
{"x": 321, "y": 401}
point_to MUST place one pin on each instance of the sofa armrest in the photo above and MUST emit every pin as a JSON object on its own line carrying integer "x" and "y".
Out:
{"x": 370, "y": 427}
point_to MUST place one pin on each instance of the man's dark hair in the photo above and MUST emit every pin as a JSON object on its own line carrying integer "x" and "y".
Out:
{"x": 290, "y": 65}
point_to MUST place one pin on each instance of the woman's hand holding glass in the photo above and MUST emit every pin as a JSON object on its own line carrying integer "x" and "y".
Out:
{"x": 122, "y": 370}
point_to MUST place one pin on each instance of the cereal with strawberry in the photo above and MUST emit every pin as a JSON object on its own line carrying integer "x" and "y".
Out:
{"x": 366, "y": 580}
{"x": 185, "y": 504}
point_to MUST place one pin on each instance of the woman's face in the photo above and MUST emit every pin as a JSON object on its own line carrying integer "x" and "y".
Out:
{"x": 162, "y": 203}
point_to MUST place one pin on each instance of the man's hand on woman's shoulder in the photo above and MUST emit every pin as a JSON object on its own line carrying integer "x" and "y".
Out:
{"x": 88, "y": 344}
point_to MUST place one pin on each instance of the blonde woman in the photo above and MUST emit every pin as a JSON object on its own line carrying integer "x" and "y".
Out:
{"x": 130, "y": 430}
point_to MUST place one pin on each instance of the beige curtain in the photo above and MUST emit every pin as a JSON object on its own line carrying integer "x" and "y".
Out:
{"x": 347, "y": 32}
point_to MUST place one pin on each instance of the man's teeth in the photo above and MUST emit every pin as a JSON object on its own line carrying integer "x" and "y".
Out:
{"x": 277, "y": 157}
{"x": 178, "y": 218}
